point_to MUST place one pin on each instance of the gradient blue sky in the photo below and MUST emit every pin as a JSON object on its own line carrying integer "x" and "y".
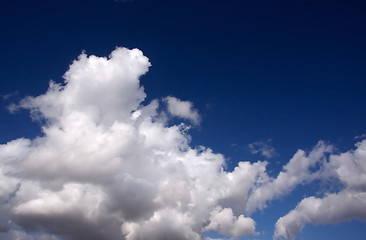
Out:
{"x": 282, "y": 74}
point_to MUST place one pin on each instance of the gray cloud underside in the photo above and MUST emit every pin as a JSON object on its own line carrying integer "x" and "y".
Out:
{"x": 109, "y": 167}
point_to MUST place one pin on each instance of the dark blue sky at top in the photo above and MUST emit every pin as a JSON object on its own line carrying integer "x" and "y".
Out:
{"x": 290, "y": 71}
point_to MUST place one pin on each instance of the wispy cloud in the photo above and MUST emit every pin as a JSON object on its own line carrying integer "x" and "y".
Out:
{"x": 9, "y": 95}
{"x": 264, "y": 149}
{"x": 362, "y": 136}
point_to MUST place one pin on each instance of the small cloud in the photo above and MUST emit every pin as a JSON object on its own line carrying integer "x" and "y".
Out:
{"x": 13, "y": 108}
{"x": 263, "y": 148}
{"x": 362, "y": 136}
{"x": 182, "y": 109}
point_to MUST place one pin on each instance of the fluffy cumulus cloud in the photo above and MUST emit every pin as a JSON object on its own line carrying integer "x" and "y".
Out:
{"x": 224, "y": 221}
{"x": 349, "y": 169}
{"x": 108, "y": 166}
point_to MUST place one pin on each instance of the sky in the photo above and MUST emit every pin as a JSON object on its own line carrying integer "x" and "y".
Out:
{"x": 182, "y": 119}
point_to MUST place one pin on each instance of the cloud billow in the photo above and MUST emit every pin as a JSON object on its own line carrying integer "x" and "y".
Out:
{"x": 109, "y": 167}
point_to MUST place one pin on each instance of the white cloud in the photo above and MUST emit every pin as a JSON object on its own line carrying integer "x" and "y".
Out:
{"x": 295, "y": 172}
{"x": 108, "y": 167}
{"x": 262, "y": 148}
{"x": 182, "y": 109}
{"x": 349, "y": 203}
{"x": 223, "y": 221}
{"x": 333, "y": 208}
{"x": 99, "y": 90}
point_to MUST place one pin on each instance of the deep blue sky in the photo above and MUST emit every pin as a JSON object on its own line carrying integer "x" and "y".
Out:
{"x": 290, "y": 71}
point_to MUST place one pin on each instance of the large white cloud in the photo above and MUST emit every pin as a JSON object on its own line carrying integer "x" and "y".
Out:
{"x": 109, "y": 166}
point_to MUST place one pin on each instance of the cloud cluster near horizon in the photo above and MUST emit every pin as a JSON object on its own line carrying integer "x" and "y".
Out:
{"x": 109, "y": 166}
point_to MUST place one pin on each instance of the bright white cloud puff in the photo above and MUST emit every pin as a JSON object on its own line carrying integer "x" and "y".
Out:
{"x": 108, "y": 167}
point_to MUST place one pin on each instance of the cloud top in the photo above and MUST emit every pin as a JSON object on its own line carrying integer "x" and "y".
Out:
{"x": 108, "y": 167}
